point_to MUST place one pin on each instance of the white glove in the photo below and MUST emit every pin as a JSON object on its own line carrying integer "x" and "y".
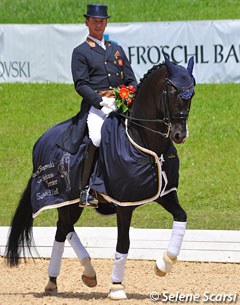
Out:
{"x": 108, "y": 102}
{"x": 106, "y": 110}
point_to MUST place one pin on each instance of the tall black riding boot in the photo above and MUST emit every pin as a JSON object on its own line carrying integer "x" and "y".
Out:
{"x": 86, "y": 196}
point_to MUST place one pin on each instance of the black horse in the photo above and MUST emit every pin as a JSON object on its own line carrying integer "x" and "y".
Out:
{"x": 138, "y": 164}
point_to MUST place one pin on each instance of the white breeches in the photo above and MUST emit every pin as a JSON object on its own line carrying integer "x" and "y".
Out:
{"x": 95, "y": 120}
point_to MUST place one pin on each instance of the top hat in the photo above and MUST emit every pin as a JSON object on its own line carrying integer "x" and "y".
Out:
{"x": 97, "y": 11}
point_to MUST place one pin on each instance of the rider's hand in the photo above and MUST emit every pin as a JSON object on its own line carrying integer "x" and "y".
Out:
{"x": 108, "y": 102}
{"x": 106, "y": 110}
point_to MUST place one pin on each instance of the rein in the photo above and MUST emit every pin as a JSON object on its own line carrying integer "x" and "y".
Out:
{"x": 165, "y": 121}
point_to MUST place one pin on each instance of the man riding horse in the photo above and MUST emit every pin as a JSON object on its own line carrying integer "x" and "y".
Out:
{"x": 142, "y": 146}
{"x": 98, "y": 66}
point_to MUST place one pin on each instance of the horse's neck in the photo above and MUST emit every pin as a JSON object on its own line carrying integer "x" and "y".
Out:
{"x": 149, "y": 139}
{"x": 146, "y": 106}
{"x": 148, "y": 134}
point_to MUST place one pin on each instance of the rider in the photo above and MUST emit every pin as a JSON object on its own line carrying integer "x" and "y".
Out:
{"x": 98, "y": 66}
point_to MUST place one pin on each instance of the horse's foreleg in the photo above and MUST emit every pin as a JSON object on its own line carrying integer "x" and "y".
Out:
{"x": 171, "y": 204}
{"x": 165, "y": 263}
{"x": 124, "y": 216}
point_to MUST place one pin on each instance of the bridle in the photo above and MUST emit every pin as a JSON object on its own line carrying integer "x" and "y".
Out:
{"x": 182, "y": 115}
{"x": 167, "y": 117}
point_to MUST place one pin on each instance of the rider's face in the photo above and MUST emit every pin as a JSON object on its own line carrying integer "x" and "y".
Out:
{"x": 96, "y": 26}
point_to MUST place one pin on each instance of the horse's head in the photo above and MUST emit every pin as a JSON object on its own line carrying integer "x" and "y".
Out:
{"x": 161, "y": 107}
{"x": 177, "y": 99}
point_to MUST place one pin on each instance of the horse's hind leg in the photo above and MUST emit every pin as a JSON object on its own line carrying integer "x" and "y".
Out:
{"x": 171, "y": 204}
{"x": 54, "y": 265}
{"x": 89, "y": 275}
{"x": 124, "y": 216}
{"x": 67, "y": 216}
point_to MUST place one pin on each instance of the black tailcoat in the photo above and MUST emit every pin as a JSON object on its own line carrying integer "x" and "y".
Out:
{"x": 94, "y": 69}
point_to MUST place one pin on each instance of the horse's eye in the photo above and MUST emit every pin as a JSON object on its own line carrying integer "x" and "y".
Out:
{"x": 174, "y": 92}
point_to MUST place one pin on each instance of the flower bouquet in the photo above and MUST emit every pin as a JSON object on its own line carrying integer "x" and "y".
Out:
{"x": 124, "y": 97}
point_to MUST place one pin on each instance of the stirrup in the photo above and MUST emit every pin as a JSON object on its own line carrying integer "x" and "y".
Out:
{"x": 86, "y": 199}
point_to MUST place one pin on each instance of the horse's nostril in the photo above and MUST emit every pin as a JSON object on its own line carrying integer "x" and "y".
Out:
{"x": 177, "y": 136}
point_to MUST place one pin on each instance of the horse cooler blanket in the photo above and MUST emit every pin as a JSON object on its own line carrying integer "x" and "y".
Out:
{"x": 125, "y": 174}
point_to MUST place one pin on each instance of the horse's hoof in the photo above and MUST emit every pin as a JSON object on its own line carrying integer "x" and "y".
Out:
{"x": 164, "y": 265}
{"x": 90, "y": 281}
{"x": 159, "y": 272}
{"x": 117, "y": 292}
{"x": 51, "y": 289}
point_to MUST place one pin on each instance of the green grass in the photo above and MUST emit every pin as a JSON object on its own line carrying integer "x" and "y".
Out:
{"x": 209, "y": 175}
{"x": 27, "y": 110}
{"x": 65, "y": 11}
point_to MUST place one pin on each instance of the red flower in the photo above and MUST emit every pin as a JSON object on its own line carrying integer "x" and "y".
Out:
{"x": 124, "y": 93}
{"x": 131, "y": 88}
{"x": 124, "y": 97}
{"x": 129, "y": 102}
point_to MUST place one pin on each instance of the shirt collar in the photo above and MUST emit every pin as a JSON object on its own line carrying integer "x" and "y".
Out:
{"x": 101, "y": 43}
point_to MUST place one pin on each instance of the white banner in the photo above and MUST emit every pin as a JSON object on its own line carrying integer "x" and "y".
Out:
{"x": 42, "y": 53}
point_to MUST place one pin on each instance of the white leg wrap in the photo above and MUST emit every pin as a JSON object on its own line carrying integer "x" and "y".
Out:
{"x": 88, "y": 268}
{"x": 118, "y": 269}
{"x": 175, "y": 243}
{"x": 89, "y": 277}
{"x": 56, "y": 258}
{"x": 77, "y": 246}
{"x": 164, "y": 264}
{"x": 117, "y": 292}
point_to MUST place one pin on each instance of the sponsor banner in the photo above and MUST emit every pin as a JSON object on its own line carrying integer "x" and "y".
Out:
{"x": 42, "y": 53}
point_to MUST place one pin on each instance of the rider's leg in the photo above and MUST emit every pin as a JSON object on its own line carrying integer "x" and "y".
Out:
{"x": 86, "y": 197}
{"x": 94, "y": 121}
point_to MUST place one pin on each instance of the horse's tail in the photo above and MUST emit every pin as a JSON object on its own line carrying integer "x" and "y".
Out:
{"x": 20, "y": 235}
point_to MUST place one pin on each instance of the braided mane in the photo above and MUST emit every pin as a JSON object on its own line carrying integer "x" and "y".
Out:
{"x": 149, "y": 72}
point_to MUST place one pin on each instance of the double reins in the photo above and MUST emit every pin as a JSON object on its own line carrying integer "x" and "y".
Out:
{"x": 182, "y": 115}
{"x": 166, "y": 120}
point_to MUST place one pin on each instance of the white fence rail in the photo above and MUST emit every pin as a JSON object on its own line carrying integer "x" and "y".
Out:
{"x": 147, "y": 244}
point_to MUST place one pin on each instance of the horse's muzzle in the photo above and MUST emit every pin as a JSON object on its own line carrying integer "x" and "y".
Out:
{"x": 179, "y": 133}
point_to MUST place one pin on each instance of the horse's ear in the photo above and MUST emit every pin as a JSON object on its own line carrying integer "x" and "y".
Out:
{"x": 190, "y": 64}
{"x": 171, "y": 67}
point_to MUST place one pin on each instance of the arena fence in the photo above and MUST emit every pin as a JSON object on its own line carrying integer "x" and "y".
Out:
{"x": 146, "y": 244}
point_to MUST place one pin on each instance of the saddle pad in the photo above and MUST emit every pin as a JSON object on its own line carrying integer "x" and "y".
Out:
{"x": 128, "y": 174}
